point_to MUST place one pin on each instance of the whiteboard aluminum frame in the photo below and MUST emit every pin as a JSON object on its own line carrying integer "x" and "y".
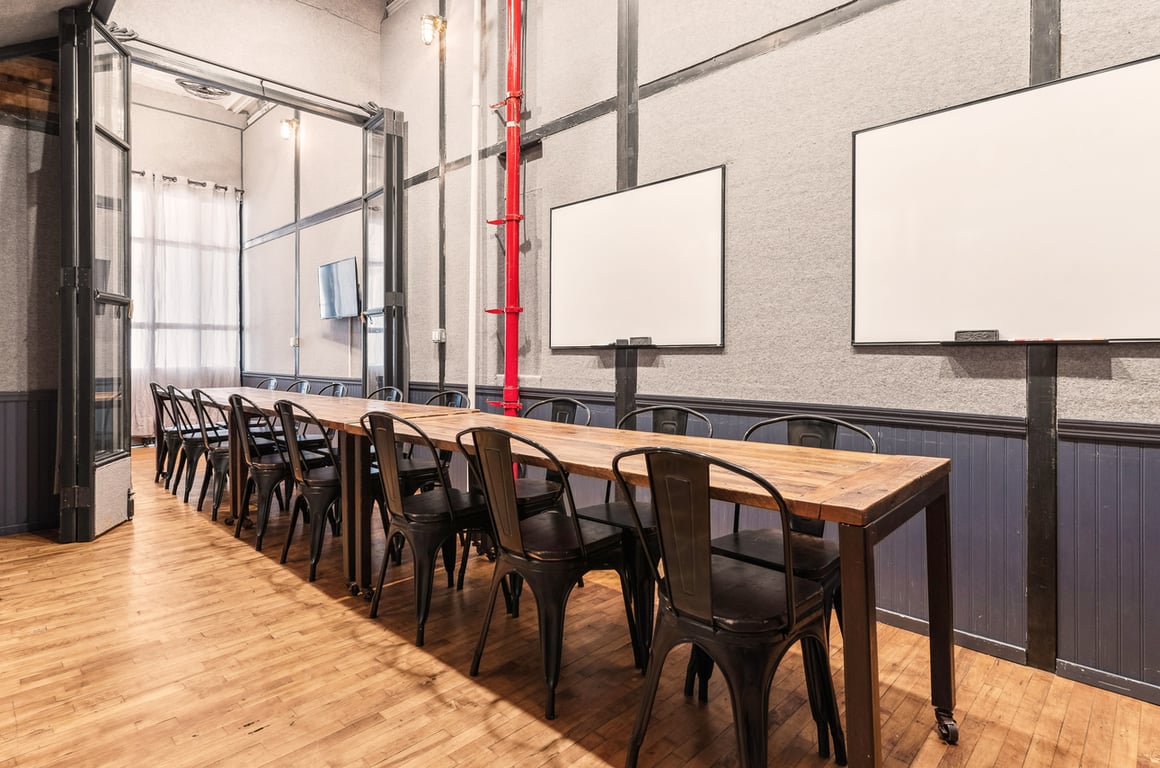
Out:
{"x": 720, "y": 344}
{"x": 854, "y": 222}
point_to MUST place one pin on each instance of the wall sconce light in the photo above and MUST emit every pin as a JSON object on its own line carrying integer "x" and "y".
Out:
{"x": 288, "y": 128}
{"x": 429, "y": 25}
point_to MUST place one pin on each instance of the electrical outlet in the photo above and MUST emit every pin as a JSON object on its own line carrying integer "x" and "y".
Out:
{"x": 293, "y": 341}
{"x": 439, "y": 335}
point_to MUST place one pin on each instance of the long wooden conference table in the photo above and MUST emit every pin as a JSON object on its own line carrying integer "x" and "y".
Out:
{"x": 867, "y": 495}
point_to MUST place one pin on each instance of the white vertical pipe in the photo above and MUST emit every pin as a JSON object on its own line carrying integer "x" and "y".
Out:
{"x": 473, "y": 204}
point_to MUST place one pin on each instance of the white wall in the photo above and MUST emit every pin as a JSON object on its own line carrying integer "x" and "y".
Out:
{"x": 167, "y": 138}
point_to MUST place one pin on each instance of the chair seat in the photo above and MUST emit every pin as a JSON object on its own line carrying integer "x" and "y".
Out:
{"x": 536, "y": 491}
{"x": 431, "y": 506}
{"x": 619, "y": 514}
{"x": 324, "y": 475}
{"x": 550, "y": 536}
{"x": 751, "y": 598}
{"x": 813, "y": 557}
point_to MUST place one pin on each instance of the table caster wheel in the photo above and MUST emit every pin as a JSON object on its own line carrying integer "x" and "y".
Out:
{"x": 948, "y": 729}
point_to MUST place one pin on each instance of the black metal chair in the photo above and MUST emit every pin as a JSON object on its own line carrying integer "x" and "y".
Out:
{"x": 392, "y": 394}
{"x": 268, "y": 463}
{"x": 301, "y": 386}
{"x": 334, "y": 389}
{"x": 192, "y": 445}
{"x": 669, "y": 420}
{"x": 549, "y": 551}
{"x": 742, "y": 616}
{"x": 210, "y": 415}
{"x": 427, "y": 521}
{"x": 319, "y": 487}
{"x": 270, "y": 383}
{"x": 166, "y": 434}
{"x": 815, "y": 558}
{"x": 452, "y": 398}
{"x": 534, "y": 494}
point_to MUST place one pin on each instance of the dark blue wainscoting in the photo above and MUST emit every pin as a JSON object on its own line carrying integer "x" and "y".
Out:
{"x": 27, "y": 458}
{"x": 1109, "y": 556}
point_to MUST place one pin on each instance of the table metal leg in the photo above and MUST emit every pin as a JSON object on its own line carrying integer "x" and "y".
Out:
{"x": 941, "y": 608}
{"x": 860, "y": 643}
{"x": 355, "y": 476}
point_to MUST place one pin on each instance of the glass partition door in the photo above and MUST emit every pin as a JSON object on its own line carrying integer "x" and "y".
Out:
{"x": 95, "y": 488}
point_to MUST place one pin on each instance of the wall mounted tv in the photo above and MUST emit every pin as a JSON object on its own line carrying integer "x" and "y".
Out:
{"x": 338, "y": 294}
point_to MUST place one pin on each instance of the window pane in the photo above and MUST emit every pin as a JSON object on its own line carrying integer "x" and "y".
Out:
{"x": 376, "y": 348}
{"x": 109, "y": 364}
{"x": 109, "y": 273}
{"x": 109, "y": 86}
{"x": 375, "y": 143}
{"x": 375, "y": 277}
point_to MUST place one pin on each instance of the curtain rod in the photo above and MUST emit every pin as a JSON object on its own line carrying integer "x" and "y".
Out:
{"x": 194, "y": 182}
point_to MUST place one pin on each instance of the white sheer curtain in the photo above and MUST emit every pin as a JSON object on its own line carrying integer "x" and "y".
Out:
{"x": 185, "y": 288}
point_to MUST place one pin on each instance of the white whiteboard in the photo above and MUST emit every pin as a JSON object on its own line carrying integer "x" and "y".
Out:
{"x": 1035, "y": 214}
{"x": 648, "y": 261}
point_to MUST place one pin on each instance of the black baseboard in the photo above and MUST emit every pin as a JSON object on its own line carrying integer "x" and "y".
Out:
{"x": 1108, "y": 682}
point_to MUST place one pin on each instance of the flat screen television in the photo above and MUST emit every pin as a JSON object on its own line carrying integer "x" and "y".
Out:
{"x": 338, "y": 289}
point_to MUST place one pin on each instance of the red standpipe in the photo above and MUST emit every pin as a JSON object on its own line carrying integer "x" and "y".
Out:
{"x": 512, "y": 216}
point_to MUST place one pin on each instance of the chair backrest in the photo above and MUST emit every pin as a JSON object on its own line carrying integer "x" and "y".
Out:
{"x": 210, "y": 414}
{"x": 246, "y": 415}
{"x": 291, "y": 416}
{"x": 182, "y": 405}
{"x": 334, "y": 389}
{"x": 301, "y": 386}
{"x": 452, "y": 398}
{"x": 679, "y": 482}
{"x": 564, "y": 410}
{"x": 380, "y": 427}
{"x": 162, "y": 409}
{"x": 490, "y": 457}
{"x": 667, "y": 419}
{"x": 811, "y": 431}
{"x": 270, "y": 383}
{"x": 392, "y": 394}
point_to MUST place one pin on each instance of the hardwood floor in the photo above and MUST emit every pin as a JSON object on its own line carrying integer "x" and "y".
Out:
{"x": 168, "y": 642}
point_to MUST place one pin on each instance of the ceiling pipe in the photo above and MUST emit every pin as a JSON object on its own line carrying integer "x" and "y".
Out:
{"x": 512, "y": 216}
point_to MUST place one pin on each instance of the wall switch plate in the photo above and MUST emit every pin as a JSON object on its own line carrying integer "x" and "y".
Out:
{"x": 439, "y": 335}
{"x": 293, "y": 341}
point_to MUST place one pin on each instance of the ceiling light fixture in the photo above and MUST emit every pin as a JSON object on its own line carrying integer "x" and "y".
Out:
{"x": 202, "y": 90}
{"x": 429, "y": 25}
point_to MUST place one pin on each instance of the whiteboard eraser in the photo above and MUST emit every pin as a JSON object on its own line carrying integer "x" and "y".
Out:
{"x": 976, "y": 335}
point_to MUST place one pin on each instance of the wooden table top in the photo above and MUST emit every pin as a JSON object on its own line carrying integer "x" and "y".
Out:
{"x": 333, "y": 412}
{"x": 842, "y": 486}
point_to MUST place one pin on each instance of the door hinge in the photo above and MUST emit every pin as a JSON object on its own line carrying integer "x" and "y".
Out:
{"x": 74, "y": 277}
{"x": 76, "y": 497}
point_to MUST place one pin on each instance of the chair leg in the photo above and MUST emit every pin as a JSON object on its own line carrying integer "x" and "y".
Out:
{"x": 639, "y": 654}
{"x": 700, "y": 667}
{"x": 814, "y": 684}
{"x": 194, "y": 459}
{"x": 382, "y": 573}
{"x": 317, "y": 532}
{"x": 175, "y": 477}
{"x": 293, "y": 524}
{"x": 209, "y": 471}
{"x": 463, "y": 563}
{"x": 663, "y": 640}
{"x": 424, "y": 549}
{"x": 221, "y": 474}
{"x": 449, "y": 560}
{"x": 551, "y": 592}
{"x": 266, "y": 489}
{"x": 828, "y": 700}
{"x": 172, "y": 448}
{"x": 238, "y": 517}
{"x": 497, "y": 578}
{"x": 749, "y": 677}
{"x": 161, "y": 449}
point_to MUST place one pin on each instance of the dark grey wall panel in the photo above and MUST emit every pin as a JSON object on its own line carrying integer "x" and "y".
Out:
{"x": 1109, "y": 534}
{"x": 27, "y": 458}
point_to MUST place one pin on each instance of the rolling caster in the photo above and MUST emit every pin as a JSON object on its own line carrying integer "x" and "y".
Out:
{"x": 948, "y": 729}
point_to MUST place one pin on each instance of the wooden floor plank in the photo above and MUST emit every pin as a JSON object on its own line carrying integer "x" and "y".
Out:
{"x": 169, "y": 642}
